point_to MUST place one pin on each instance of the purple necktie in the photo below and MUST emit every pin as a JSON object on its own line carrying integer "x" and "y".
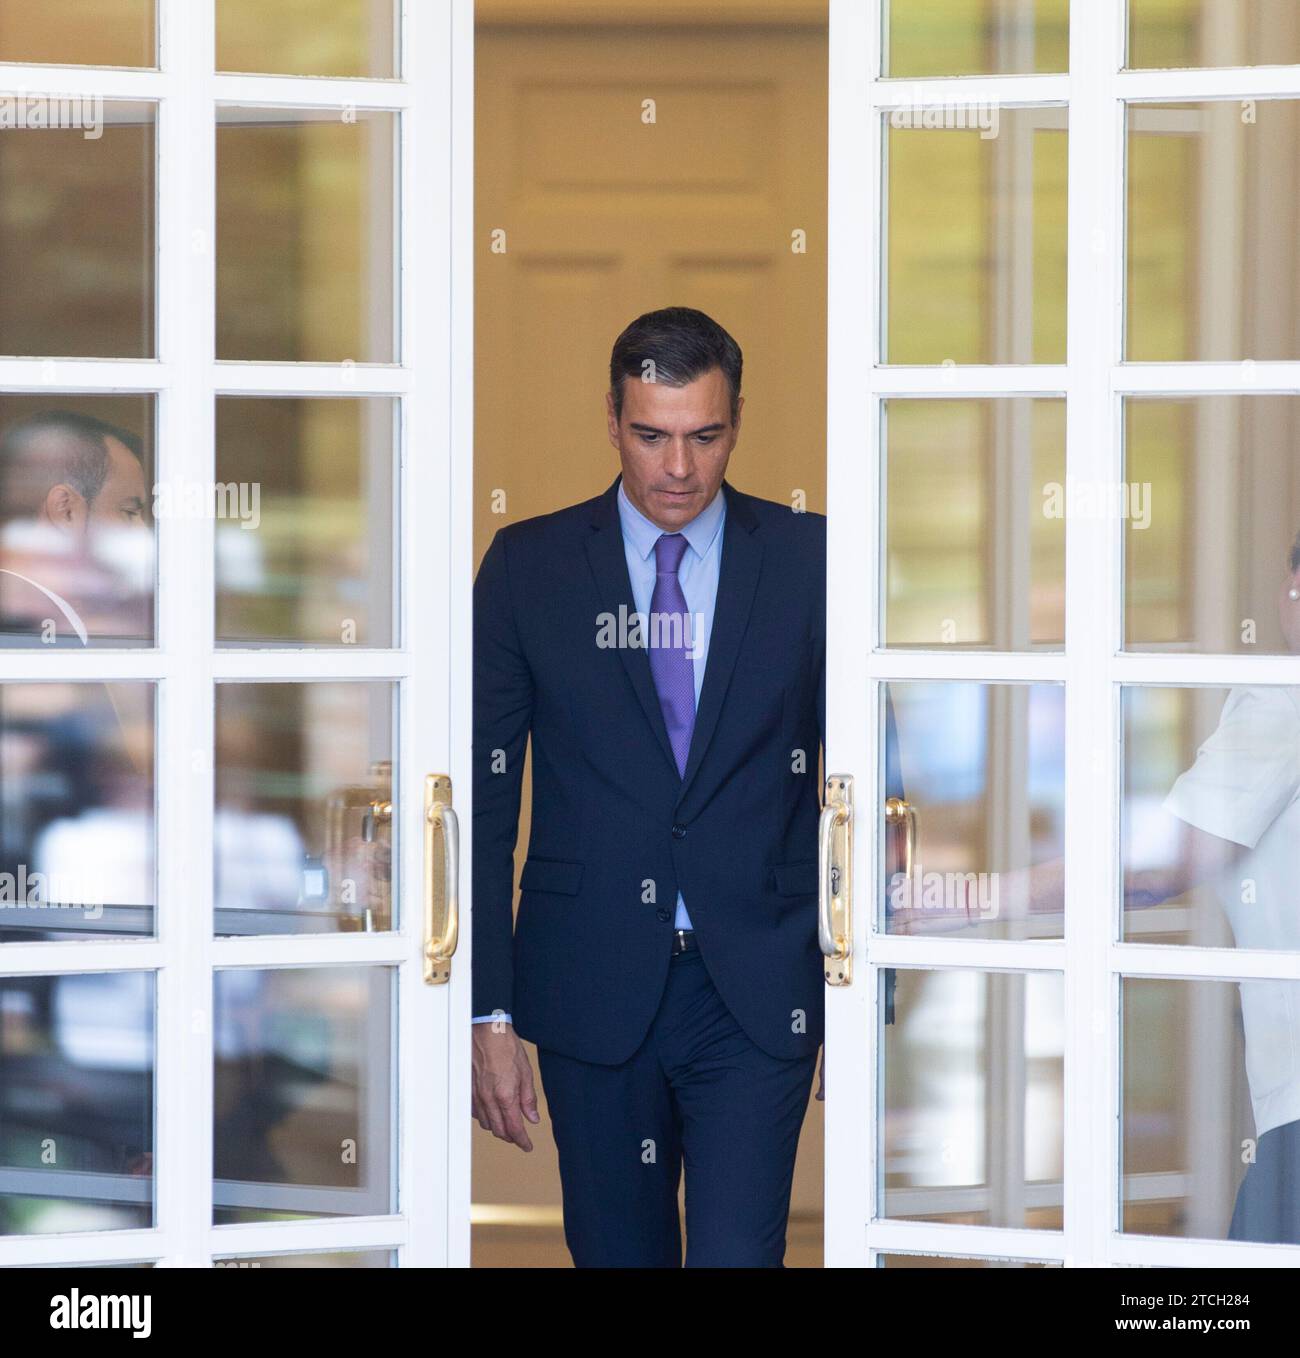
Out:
{"x": 671, "y": 665}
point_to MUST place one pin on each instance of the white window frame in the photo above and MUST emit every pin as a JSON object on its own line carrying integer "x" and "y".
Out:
{"x": 433, "y": 385}
{"x": 1095, "y": 382}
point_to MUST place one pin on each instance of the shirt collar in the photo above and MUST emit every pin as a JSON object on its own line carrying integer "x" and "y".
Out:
{"x": 699, "y": 533}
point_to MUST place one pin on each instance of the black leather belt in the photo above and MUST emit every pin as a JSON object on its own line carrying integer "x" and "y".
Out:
{"x": 683, "y": 941}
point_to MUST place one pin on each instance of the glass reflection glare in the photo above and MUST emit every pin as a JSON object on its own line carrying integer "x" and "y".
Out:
{"x": 306, "y": 253}
{"x": 304, "y": 37}
{"x": 972, "y": 1131}
{"x": 975, "y": 255}
{"x": 1211, "y": 1125}
{"x": 303, "y": 1093}
{"x": 79, "y": 32}
{"x": 1209, "y": 570}
{"x": 1187, "y": 33}
{"x": 976, "y": 37}
{"x": 982, "y": 769}
{"x": 76, "y": 1102}
{"x": 314, "y": 564}
{"x": 1211, "y": 246}
{"x": 77, "y": 802}
{"x": 975, "y": 555}
{"x": 77, "y": 233}
{"x": 305, "y": 814}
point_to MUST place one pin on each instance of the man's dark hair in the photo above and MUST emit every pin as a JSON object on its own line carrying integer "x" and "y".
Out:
{"x": 682, "y": 343}
{"x": 81, "y": 460}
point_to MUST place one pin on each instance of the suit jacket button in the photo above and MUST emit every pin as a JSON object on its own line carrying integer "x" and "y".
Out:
{"x": 662, "y": 915}
{"x": 679, "y": 832}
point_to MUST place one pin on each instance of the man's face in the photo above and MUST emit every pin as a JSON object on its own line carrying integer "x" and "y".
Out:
{"x": 674, "y": 444}
{"x": 119, "y": 504}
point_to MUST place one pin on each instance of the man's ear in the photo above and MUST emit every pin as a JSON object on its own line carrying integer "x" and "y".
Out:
{"x": 612, "y": 420}
{"x": 65, "y": 508}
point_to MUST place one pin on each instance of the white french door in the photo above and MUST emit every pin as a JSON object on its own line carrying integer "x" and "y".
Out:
{"x": 225, "y": 1042}
{"x": 1061, "y": 262}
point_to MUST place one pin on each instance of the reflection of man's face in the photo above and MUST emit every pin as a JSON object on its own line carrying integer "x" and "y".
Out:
{"x": 120, "y": 502}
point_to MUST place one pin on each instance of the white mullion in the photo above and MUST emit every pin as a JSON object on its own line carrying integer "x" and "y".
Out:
{"x": 456, "y": 361}
{"x": 1092, "y": 627}
{"x": 891, "y": 1236}
{"x": 938, "y": 952}
{"x": 946, "y": 382}
{"x": 1005, "y": 91}
{"x": 852, "y": 491}
{"x": 427, "y": 1022}
{"x": 1182, "y": 669}
{"x": 83, "y": 666}
{"x": 1247, "y": 378}
{"x": 80, "y": 1247}
{"x": 186, "y": 289}
{"x": 1202, "y": 964}
{"x": 104, "y": 82}
{"x": 1206, "y": 83}
{"x": 128, "y": 376}
{"x": 309, "y": 950}
{"x": 1046, "y": 667}
{"x": 238, "y": 378}
{"x": 302, "y": 665}
{"x": 311, "y": 92}
{"x": 76, "y": 957}
{"x": 1150, "y": 1251}
{"x": 310, "y": 1235}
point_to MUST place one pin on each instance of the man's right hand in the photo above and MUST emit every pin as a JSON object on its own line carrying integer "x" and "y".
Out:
{"x": 504, "y": 1094}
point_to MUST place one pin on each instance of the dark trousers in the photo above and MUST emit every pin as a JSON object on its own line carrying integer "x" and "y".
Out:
{"x": 1268, "y": 1202}
{"x": 699, "y": 1094}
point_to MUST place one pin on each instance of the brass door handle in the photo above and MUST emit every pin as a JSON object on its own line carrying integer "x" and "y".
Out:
{"x": 899, "y": 812}
{"x": 835, "y": 880}
{"x": 441, "y": 879}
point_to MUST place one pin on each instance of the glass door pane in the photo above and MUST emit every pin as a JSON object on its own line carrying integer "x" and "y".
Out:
{"x": 219, "y": 702}
{"x": 77, "y": 1080}
{"x": 305, "y": 1118}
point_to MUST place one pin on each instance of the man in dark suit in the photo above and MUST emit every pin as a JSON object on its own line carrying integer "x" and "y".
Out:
{"x": 663, "y": 645}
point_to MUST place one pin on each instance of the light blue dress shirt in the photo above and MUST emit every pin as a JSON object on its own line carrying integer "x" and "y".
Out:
{"x": 698, "y": 577}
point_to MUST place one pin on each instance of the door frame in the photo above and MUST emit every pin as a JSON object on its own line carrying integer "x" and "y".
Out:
{"x": 432, "y": 386}
{"x": 1095, "y": 383}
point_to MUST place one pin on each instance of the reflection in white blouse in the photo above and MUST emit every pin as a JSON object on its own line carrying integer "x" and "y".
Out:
{"x": 1245, "y": 787}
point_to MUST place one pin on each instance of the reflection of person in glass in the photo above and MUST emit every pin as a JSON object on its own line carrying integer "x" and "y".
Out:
{"x": 1235, "y": 827}
{"x": 76, "y": 555}
{"x": 1239, "y": 809}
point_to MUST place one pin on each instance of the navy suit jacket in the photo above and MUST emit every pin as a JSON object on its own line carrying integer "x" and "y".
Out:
{"x": 616, "y": 831}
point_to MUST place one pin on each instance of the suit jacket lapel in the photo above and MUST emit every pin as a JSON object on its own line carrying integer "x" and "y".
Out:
{"x": 608, "y": 561}
{"x": 742, "y": 557}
